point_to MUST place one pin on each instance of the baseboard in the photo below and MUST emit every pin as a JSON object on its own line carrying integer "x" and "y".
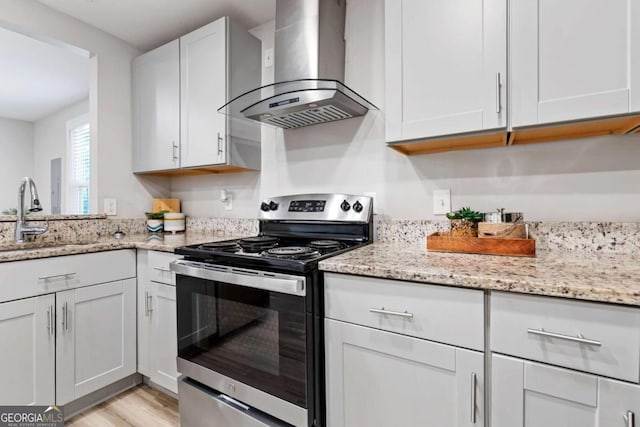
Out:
{"x": 158, "y": 387}
{"x": 99, "y": 396}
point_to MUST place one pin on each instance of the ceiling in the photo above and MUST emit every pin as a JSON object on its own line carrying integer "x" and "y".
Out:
{"x": 147, "y": 24}
{"x": 39, "y": 78}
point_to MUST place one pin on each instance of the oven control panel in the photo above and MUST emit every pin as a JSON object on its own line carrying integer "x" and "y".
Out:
{"x": 317, "y": 207}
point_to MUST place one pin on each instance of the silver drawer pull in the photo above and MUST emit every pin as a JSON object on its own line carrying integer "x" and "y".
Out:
{"x": 55, "y": 276}
{"x": 630, "y": 418}
{"x": 579, "y": 339}
{"x": 233, "y": 401}
{"x": 164, "y": 270}
{"x": 381, "y": 310}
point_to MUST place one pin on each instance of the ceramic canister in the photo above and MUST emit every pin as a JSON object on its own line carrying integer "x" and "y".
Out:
{"x": 174, "y": 222}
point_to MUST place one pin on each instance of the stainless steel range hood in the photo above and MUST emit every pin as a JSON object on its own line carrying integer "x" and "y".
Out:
{"x": 309, "y": 69}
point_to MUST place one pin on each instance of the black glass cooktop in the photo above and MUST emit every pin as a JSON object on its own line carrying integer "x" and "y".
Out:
{"x": 284, "y": 254}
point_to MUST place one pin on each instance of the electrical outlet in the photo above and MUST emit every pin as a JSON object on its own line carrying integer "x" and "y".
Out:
{"x": 441, "y": 202}
{"x": 268, "y": 57}
{"x": 228, "y": 203}
{"x": 110, "y": 206}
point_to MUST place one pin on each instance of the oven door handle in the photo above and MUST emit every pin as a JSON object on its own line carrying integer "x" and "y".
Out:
{"x": 275, "y": 282}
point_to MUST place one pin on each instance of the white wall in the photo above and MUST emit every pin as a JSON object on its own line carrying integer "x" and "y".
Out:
{"x": 596, "y": 179}
{"x": 16, "y": 160}
{"x": 50, "y": 142}
{"x": 111, "y": 96}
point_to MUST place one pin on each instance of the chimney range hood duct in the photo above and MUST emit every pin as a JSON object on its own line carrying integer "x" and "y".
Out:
{"x": 309, "y": 69}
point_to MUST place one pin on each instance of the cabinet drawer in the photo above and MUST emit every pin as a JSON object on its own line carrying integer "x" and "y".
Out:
{"x": 22, "y": 279}
{"x": 592, "y": 337}
{"x": 438, "y": 313}
{"x": 159, "y": 267}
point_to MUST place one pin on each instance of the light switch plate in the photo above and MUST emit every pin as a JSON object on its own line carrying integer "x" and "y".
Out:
{"x": 110, "y": 207}
{"x": 441, "y": 202}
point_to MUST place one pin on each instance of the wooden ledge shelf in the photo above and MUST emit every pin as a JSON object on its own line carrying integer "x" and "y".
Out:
{"x": 198, "y": 171}
{"x": 530, "y": 135}
{"x": 582, "y": 129}
{"x": 453, "y": 143}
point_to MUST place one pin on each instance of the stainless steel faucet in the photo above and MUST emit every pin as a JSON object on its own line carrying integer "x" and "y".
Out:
{"x": 22, "y": 230}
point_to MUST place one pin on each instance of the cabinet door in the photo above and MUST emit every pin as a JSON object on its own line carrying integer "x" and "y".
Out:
{"x": 619, "y": 402}
{"x": 573, "y": 59}
{"x": 203, "y": 64}
{"x": 96, "y": 338}
{"x": 378, "y": 378}
{"x": 528, "y": 394}
{"x": 27, "y": 359}
{"x": 445, "y": 66}
{"x": 156, "y": 109}
{"x": 164, "y": 349}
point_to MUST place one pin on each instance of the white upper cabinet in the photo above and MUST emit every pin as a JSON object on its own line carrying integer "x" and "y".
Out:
{"x": 446, "y": 63}
{"x": 202, "y": 91}
{"x": 573, "y": 59}
{"x": 178, "y": 89}
{"x": 156, "y": 109}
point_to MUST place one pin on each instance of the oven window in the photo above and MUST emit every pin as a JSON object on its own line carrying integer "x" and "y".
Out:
{"x": 251, "y": 335}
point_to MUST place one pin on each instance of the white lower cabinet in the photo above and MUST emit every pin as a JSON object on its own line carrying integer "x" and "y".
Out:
{"x": 96, "y": 341}
{"x": 78, "y": 336}
{"x": 27, "y": 361}
{"x": 157, "y": 331}
{"x": 529, "y": 394}
{"x": 379, "y": 378}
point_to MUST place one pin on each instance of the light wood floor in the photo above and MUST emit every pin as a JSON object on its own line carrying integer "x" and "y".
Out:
{"x": 141, "y": 406}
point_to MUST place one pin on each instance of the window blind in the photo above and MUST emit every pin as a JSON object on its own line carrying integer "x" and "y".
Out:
{"x": 79, "y": 168}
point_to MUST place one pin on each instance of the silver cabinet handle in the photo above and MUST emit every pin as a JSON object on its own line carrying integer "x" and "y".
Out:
{"x": 147, "y": 304}
{"x": 233, "y": 401}
{"x": 498, "y": 87}
{"x": 630, "y": 418}
{"x": 55, "y": 276}
{"x": 164, "y": 270}
{"x": 52, "y": 315}
{"x": 174, "y": 146}
{"x": 381, "y": 310}
{"x": 66, "y": 316}
{"x": 220, "y": 151}
{"x": 579, "y": 339}
{"x": 473, "y": 397}
{"x": 49, "y": 320}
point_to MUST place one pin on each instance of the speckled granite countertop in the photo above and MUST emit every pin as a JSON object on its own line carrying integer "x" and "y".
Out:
{"x": 586, "y": 276}
{"x": 165, "y": 243}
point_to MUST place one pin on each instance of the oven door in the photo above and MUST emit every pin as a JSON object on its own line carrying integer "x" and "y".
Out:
{"x": 245, "y": 325}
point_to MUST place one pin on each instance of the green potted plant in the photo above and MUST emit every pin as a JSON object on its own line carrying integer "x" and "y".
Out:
{"x": 464, "y": 222}
{"x": 155, "y": 221}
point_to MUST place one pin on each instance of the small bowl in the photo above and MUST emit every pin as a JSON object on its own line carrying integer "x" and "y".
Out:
{"x": 174, "y": 222}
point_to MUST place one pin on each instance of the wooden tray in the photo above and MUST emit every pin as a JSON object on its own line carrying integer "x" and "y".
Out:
{"x": 443, "y": 242}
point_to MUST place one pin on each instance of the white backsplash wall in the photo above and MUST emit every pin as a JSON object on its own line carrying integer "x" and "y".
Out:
{"x": 585, "y": 180}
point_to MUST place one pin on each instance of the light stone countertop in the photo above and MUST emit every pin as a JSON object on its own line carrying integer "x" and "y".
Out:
{"x": 166, "y": 243}
{"x": 586, "y": 276}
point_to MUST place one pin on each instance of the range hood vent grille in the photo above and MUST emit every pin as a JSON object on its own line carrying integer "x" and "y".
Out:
{"x": 309, "y": 67}
{"x": 308, "y": 117}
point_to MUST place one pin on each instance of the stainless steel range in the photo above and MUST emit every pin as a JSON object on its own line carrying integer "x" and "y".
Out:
{"x": 250, "y": 314}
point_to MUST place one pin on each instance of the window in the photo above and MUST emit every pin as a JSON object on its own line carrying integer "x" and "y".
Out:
{"x": 78, "y": 165}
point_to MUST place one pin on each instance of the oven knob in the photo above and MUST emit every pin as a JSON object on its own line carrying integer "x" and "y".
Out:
{"x": 265, "y": 207}
{"x": 345, "y": 206}
{"x": 357, "y": 206}
{"x": 273, "y": 206}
